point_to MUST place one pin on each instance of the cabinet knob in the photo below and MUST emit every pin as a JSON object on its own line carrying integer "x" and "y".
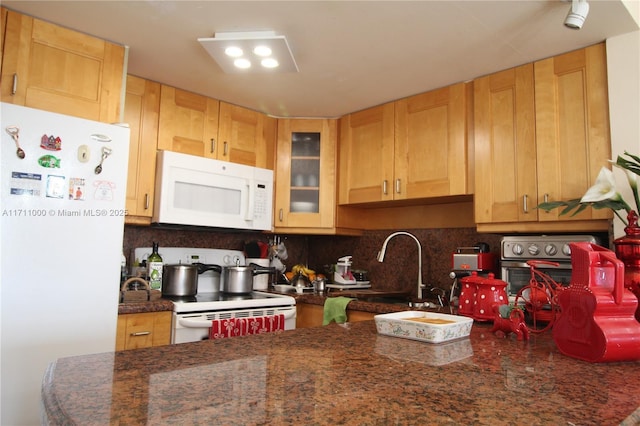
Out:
{"x": 384, "y": 187}
{"x": 546, "y": 200}
{"x": 281, "y": 215}
{"x": 146, "y": 201}
{"x": 225, "y": 149}
{"x": 398, "y": 185}
{"x": 213, "y": 145}
{"x": 14, "y": 86}
{"x": 525, "y": 203}
{"x": 141, "y": 333}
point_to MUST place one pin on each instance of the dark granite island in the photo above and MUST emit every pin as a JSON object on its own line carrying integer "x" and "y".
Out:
{"x": 343, "y": 375}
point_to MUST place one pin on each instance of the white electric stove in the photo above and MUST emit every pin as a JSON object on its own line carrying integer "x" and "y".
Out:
{"x": 192, "y": 316}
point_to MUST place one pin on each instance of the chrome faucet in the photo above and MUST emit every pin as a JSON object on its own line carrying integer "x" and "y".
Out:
{"x": 384, "y": 249}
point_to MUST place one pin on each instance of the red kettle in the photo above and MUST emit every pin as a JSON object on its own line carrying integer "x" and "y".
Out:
{"x": 597, "y": 322}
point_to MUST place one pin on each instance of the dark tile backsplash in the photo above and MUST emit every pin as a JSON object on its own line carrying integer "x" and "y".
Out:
{"x": 398, "y": 272}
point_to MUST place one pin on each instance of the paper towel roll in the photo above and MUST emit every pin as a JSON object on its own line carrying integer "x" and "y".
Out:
{"x": 260, "y": 281}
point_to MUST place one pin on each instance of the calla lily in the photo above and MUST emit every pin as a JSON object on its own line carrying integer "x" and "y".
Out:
{"x": 604, "y": 188}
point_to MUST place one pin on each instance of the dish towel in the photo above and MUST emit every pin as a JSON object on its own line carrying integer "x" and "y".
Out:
{"x": 244, "y": 326}
{"x": 335, "y": 309}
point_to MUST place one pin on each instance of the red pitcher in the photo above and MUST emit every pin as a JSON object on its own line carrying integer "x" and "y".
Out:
{"x": 597, "y": 322}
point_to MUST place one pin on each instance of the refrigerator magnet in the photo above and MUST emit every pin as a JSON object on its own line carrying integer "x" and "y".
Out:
{"x": 55, "y": 186}
{"x": 49, "y": 161}
{"x": 76, "y": 189}
{"x": 51, "y": 143}
{"x": 83, "y": 153}
{"x": 104, "y": 190}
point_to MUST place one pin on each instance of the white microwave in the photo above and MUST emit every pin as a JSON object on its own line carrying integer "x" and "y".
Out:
{"x": 200, "y": 191}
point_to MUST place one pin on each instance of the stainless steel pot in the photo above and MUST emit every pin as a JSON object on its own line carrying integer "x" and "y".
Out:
{"x": 182, "y": 280}
{"x": 239, "y": 279}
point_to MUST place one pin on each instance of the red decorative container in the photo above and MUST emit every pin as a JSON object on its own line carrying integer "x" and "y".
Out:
{"x": 627, "y": 249}
{"x": 491, "y": 293}
{"x": 597, "y": 322}
{"x": 468, "y": 290}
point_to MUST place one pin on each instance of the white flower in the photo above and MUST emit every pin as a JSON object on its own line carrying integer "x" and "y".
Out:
{"x": 604, "y": 188}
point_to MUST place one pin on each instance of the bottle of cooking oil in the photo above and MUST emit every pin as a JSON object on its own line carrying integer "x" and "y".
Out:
{"x": 154, "y": 268}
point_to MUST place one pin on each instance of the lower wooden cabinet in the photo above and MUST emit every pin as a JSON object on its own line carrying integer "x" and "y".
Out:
{"x": 308, "y": 315}
{"x": 143, "y": 330}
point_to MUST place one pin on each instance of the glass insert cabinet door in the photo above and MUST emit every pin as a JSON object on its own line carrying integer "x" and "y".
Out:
{"x": 305, "y": 172}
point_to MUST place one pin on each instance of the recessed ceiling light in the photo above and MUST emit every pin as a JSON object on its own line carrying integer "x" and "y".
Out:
{"x": 252, "y": 44}
{"x": 233, "y": 51}
{"x": 242, "y": 63}
{"x": 269, "y": 63}
{"x": 262, "y": 50}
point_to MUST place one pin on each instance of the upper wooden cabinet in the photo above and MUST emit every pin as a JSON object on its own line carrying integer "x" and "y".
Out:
{"x": 188, "y": 123}
{"x": 198, "y": 125}
{"x": 55, "y": 69}
{"x": 141, "y": 111}
{"x": 541, "y": 134}
{"x": 366, "y": 155}
{"x": 431, "y": 144}
{"x": 305, "y": 175}
{"x": 241, "y": 137}
{"x": 414, "y": 148}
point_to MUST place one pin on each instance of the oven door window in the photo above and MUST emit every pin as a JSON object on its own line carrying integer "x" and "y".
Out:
{"x": 520, "y": 277}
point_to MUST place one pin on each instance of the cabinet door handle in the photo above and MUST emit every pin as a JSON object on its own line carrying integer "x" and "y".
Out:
{"x": 525, "y": 203}
{"x": 213, "y": 145}
{"x": 384, "y": 187}
{"x": 14, "y": 86}
{"x": 398, "y": 182}
{"x": 141, "y": 333}
{"x": 225, "y": 149}
{"x": 146, "y": 201}
{"x": 281, "y": 215}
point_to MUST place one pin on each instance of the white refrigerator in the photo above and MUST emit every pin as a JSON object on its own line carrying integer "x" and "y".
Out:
{"x": 63, "y": 185}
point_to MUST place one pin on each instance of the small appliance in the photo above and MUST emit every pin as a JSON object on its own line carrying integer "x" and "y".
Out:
{"x": 470, "y": 264}
{"x": 516, "y": 250}
{"x": 200, "y": 191}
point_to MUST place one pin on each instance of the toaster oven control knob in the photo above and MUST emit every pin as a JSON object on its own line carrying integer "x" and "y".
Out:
{"x": 534, "y": 249}
{"x": 551, "y": 250}
{"x": 566, "y": 250}
{"x": 517, "y": 249}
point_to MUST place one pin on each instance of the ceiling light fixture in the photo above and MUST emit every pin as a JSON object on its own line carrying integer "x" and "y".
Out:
{"x": 577, "y": 14}
{"x": 236, "y": 51}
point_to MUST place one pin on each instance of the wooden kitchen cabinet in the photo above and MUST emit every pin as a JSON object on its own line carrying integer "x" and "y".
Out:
{"x": 141, "y": 111}
{"x": 431, "y": 158}
{"x": 414, "y": 148}
{"x": 305, "y": 175}
{"x": 541, "y": 134}
{"x": 309, "y": 315}
{"x": 197, "y": 125}
{"x": 241, "y": 136}
{"x": 143, "y": 330}
{"x": 366, "y": 155}
{"x": 188, "y": 123}
{"x": 52, "y": 68}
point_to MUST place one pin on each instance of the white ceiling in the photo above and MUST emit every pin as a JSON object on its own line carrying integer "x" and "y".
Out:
{"x": 351, "y": 54}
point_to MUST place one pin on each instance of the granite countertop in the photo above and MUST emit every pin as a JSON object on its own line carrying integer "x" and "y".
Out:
{"x": 343, "y": 374}
{"x": 142, "y": 307}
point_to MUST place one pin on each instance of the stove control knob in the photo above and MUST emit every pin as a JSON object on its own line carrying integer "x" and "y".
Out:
{"x": 566, "y": 250}
{"x": 517, "y": 249}
{"x": 534, "y": 249}
{"x": 551, "y": 250}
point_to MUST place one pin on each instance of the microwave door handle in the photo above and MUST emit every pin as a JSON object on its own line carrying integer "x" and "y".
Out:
{"x": 250, "y": 202}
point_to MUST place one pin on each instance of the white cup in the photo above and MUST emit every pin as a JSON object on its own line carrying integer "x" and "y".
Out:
{"x": 298, "y": 180}
{"x": 260, "y": 281}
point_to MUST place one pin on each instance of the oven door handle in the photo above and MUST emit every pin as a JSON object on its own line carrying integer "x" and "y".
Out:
{"x": 191, "y": 323}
